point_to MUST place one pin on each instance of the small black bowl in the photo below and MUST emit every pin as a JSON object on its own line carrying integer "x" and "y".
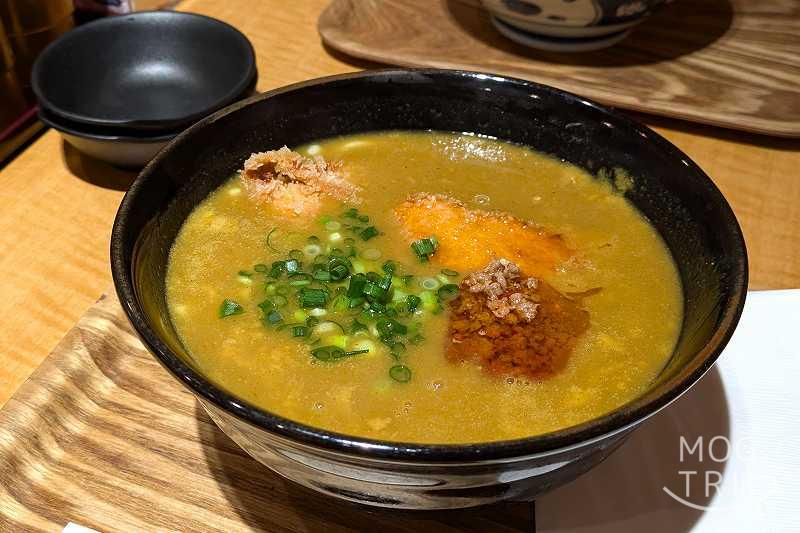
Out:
{"x": 681, "y": 202}
{"x": 116, "y": 148}
{"x": 157, "y": 70}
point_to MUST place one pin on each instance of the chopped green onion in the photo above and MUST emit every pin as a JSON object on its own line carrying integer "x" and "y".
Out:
{"x": 299, "y": 331}
{"x": 389, "y": 267}
{"x": 416, "y": 339}
{"x": 312, "y": 250}
{"x": 230, "y": 308}
{"x": 407, "y": 279}
{"x": 312, "y": 321}
{"x": 311, "y": 298}
{"x": 292, "y": 266}
{"x": 279, "y": 300}
{"x": 324, "y": 327}
{"x": 374, "y": 291}
{"x": 357, "y": 302}
{"x": 386, "y": 282}
{"x": 450, "y": 273}
{"x": 424, "y": 248}
{"x": 269, "y": 236}
{"x": 430, "y": 284}
{"x": 339, "y": 268}
{"x": 339, "y": 341}
{"x": 322, "y": 275}
{"x": 333, "y": 226}
{"x": 335, "y": 236}
{"x": 283, "y": 290}
{"x": 413, "y": 301}
{"x": 400, "y": 373}
{"x": 261, "y": 267}
{"x": 332, "y": 323}
{"x": 358, "y": 266}
{"x": 371, "y": 254}
{"x": 300, "y": 282}
{"x": 444, "y": 280}
{"x": 369, "y": 233}
{"x": 333, "y": 353}
{"x": 313, "y": 240}
{"x": 340, "y": 303}
{"x": 318, "y": 311}
{"x": 357, "y": 326}
{"x": 245, "y": 273}
{"x": 387, "y": 327}
{"x": 277, "y": 269}
{"x": 351, "y": 213}
{"x": 429, "y": 300}
{"x": 364, "y": 219}
{"x": 399, "y": 295}
{"x": 356, "y": 287}
{"x": 274, "y": 317}
{"x": 447, "y": 292}
{"x": 349, "y": 241}
{"x": 296, "y": 254}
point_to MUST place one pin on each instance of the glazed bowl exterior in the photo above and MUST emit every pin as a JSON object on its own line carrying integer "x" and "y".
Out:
{"x": 116, "y": 148}
{"x": 569, "y": 25}
{"x": 682, "y": 203}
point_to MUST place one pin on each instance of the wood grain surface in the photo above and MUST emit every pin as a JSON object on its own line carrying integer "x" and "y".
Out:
{"x": 102, "y": 436}
{"x": 731, "y": 63}
{"x": 58, "y": 206}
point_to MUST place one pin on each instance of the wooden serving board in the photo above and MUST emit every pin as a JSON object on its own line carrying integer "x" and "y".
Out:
{"x": 102, "y": 436}
{"x": 730, "y": 63}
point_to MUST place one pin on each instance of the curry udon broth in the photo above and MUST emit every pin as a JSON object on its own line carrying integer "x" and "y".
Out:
{"x": 263, "y": 298}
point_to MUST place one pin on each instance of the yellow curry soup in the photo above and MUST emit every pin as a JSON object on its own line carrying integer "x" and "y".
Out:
{"x": 609, "y": 276}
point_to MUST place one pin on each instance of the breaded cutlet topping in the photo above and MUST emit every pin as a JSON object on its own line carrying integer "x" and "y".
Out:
{"x": 293, "y": 183}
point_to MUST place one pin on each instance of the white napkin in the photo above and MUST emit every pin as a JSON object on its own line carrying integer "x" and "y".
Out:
{"x": 747, "y": 407}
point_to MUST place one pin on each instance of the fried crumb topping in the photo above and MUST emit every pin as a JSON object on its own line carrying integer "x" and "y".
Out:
{"x": 497, "y": 281}
{"x": 512, "y": 325}
{"x": 293, "y": 183}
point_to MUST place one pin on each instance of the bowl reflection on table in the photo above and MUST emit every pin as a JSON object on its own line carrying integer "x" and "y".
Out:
{"x": 676, "y": 196}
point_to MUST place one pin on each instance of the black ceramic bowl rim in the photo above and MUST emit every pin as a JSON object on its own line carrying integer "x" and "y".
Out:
{"x": 175, "y": 124}
{"x": 618, "y": 420}
{"x": 103, "y": 133}
{"x": 98, "y": 133}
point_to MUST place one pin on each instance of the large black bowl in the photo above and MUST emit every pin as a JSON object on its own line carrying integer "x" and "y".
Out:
{"x": 675, "y": 195}
{"x": 157, "y": 70}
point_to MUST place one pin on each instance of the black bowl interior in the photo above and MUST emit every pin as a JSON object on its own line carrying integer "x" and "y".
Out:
{"x": 675, "y": 195}
{"x": 151, "y": 70}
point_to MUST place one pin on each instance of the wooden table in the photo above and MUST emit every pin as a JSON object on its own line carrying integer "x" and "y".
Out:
{"x": 58, "y": 206}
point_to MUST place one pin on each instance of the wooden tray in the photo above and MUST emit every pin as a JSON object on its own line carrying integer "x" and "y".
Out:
{"x": 730, "y": 63}
{"x": 102, "y": 436}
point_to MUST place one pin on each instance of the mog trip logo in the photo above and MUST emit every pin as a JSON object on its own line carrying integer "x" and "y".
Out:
{"x": 701, "y": 471}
